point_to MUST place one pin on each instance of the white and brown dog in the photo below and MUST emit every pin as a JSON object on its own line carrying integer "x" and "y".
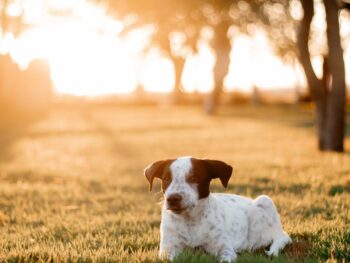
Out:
{"x": 222, "y": 224}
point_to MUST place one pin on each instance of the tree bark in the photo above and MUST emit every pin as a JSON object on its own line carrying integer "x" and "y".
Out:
{"x": 222, "y": 49}
{"x": 335, "y": 128}
{"x": 328, "y": 93}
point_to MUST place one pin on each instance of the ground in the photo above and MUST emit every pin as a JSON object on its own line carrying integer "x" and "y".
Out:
{"x": 72, "y": 186}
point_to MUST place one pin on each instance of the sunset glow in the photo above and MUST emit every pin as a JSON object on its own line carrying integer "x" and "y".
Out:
{"x": 86, "y": 60}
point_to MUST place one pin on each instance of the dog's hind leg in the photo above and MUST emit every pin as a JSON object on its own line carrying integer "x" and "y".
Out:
{"x": 278, "y": 244}
{"x": 265, "y": 226}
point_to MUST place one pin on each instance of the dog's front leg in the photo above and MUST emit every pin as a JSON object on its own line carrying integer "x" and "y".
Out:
{"x": 222, "y": 250}
{"x": 170, "y": 243}
{"x": 169, "y": 250}
{"x": 172, "y": 236}
{"x": 227, "y": 254}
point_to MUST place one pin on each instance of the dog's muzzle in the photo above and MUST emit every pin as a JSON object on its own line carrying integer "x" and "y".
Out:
{"x": 174, "y": 203}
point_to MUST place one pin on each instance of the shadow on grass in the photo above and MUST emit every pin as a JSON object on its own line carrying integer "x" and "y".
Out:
{"x": 264, "y": 185}
{"x": 339, "y": 189}
{"x": 306, "y": 247}
{"x": 296, "y": 252}
{"x": 301, "y": 116}
{"x": 257, "y": 189}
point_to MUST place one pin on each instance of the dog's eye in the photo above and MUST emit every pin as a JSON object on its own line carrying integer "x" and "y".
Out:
{"x": 191, "y": 179}
{"x": 167, "y": 177}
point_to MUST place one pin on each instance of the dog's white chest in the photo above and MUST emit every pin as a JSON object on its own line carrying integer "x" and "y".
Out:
{"x": 217, "y": 217}
{"x": 191, "y": 231}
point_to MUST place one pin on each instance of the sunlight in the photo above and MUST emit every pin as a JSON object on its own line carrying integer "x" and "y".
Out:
{"x": 65, "y": 4}
{"x": 253, "y": 64}
{"x": 6, "y": 43}
{"x": 84, "y": 62}
{"x": 198, "y": 71}
{"x": 91, "y": 65}
{"x": 157, "y": 74}
{"x": 87, "y": 57}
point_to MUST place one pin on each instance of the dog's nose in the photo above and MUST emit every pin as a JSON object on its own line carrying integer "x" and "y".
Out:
{"x": 174, "y": 199}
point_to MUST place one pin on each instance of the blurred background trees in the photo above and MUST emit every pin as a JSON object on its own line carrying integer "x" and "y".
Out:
{"x": 24, "y": 94}
{"x": 179, "y": 29}
{"x": 175, "y": 27}
{"x": 289, "y": 38}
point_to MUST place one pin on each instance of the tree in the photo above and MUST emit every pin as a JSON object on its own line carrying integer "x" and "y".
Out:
{"x": 23, "y": 94}
{"x": 188, "y": 18}
{"x": 222, "y": 48}
{"x": 274, "y": 17}
{"x": 219, "y": 19}
{"x": 329, "y": 93}
{"x": 167, "y": 18}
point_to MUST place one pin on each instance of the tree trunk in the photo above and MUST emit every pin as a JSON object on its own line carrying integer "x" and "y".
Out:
{"x": 335, "y": 127}
{"x": 328, "y": 93}
{"x": 321, "y": 120}
{"x": 179, "y": 64}
{"x": 222, "y": 48}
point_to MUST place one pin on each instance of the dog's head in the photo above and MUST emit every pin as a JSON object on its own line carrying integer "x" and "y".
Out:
{"x": 186, "y": 180}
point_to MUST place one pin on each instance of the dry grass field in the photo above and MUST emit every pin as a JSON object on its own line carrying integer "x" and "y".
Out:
{"x": 72, "y": 187}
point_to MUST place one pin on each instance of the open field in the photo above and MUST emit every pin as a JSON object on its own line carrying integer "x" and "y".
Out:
{"x": 72, "y": 185}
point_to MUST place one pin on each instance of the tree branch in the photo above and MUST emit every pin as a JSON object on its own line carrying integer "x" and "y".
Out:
{"x": 314, "y": 83}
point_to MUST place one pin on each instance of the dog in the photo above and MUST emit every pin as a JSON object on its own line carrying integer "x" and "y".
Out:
{"x": 222, "y": 224}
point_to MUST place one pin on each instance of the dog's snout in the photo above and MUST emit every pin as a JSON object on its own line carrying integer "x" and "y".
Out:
{"x": 174, "y": 199}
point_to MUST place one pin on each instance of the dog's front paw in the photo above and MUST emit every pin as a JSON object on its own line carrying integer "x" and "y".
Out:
{"x": 165, "y": 254}
{"x": 228, "y": 256}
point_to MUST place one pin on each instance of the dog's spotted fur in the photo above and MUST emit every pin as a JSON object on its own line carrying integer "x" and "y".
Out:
{"x": 222, "y": 224}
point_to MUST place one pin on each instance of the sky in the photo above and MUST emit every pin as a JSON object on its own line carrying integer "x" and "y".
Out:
{"x": 88, "y": 58}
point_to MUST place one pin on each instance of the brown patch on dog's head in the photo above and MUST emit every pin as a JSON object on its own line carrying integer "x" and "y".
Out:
{"x": 204, "y": 170}
{"x": 159, "y": 169}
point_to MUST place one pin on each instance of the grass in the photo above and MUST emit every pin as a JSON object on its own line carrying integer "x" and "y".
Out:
{"x": 72, "y": 186}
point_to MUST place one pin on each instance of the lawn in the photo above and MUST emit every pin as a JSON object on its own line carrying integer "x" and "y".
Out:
{"x": 72, "y": 185}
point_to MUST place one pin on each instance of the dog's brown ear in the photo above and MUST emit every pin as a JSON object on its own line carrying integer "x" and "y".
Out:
{"x": 156, "y": 169}
{"x": 219, "y": 169}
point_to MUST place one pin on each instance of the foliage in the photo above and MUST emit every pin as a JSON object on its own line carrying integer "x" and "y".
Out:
{"x": 190, "y": 17}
